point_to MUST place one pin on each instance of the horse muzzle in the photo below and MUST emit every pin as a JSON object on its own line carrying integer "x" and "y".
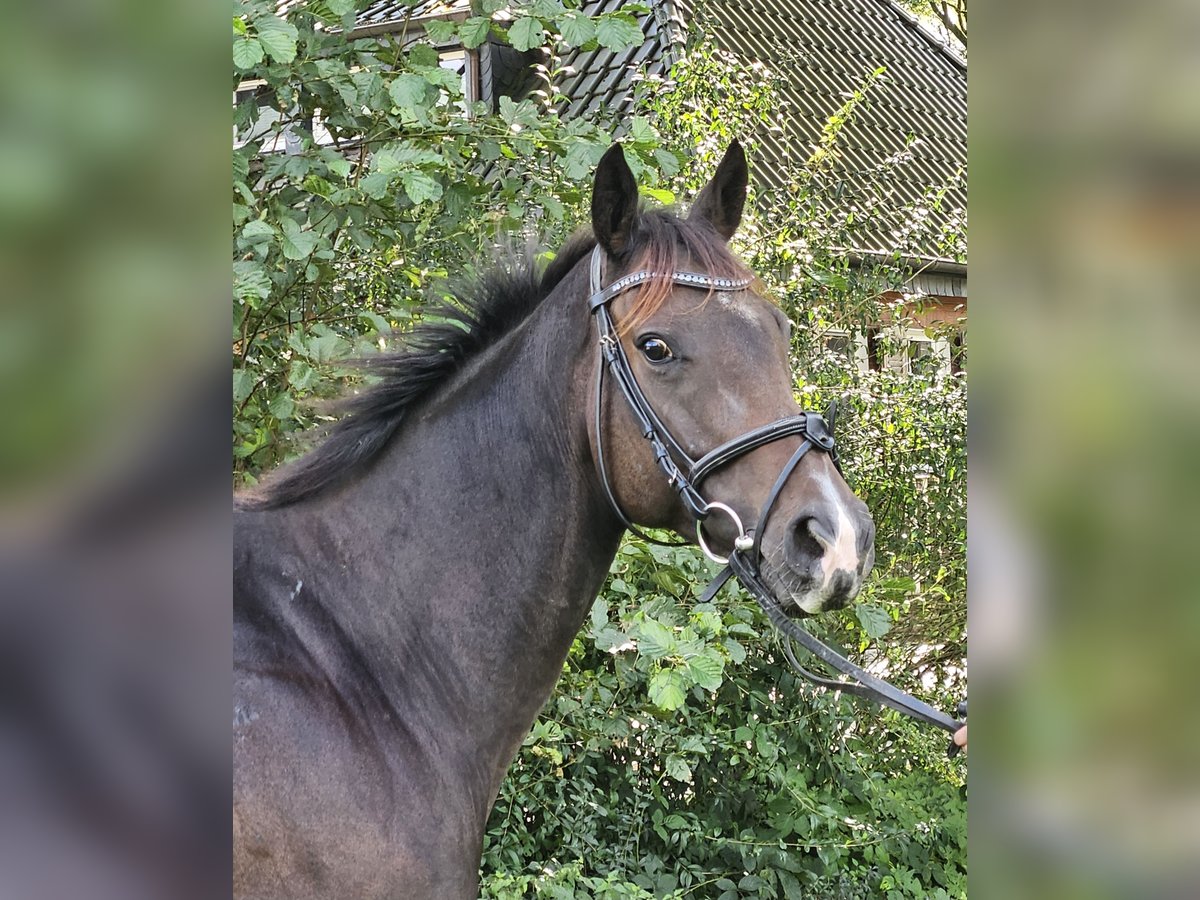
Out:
{"x": 822, "y": 556}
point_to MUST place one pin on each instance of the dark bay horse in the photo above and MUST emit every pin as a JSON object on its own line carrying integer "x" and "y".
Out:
{"x": 405, "y": 594}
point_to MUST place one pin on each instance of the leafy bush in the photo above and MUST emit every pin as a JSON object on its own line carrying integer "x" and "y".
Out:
{"x": 681, "y": 753}
{"x": 338, "y": 241}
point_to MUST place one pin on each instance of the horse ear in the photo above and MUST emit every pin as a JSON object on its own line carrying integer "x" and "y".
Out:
{"x": 723, "y": 198}
{"x": 614, "y": 201}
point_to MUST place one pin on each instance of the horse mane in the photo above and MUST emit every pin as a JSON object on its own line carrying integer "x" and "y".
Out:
{"x": 453, "y": 332}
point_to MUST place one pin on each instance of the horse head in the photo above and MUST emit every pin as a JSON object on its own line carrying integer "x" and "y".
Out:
{"x": 708, "y": 353}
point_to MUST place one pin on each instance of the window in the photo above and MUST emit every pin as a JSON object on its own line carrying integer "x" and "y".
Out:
{"x": 848, "y": 347}
{"x": 264, "y": 119}
{"x": 460, "y": 61}
{"x": 922, "y": 355}
{"x": 910, "y": 351}
{"x": 958, "y": 352}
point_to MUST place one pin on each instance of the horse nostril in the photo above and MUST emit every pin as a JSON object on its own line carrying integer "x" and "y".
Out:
{"x": 826, "y": 539}
{"x": 810, "y": 537}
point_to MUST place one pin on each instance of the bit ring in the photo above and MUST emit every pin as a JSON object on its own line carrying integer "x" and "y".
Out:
{"x": 742, "y": 542}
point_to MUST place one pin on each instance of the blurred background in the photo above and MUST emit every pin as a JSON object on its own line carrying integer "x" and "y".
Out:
{"x": 114, "y": 506}
{"x": 1084, "y": 436}
{"x": 1084, "y": 602}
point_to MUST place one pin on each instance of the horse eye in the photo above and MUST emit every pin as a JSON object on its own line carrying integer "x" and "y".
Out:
{"x": 655, "y": 349}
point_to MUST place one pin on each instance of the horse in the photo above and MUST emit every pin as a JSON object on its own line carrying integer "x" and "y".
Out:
{"x": 406, "y": 593}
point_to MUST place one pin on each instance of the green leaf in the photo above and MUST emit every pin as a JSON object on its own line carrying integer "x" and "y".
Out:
{"x": 662, "y": 196}
{"x": 422, "y": 56}
{"x": 553, "y": 208}
{"x": 526, "y": 33}
{"x": 706, "y": 671}
{"x": 340, "y": 7}
{"x": 678, "y": 769}
{"x": 440, "y": 31}
{"x": 736, "y": 651}
{"x": 420, "y": 187}
{"x": 247, "y": 53}
{"x": 408, "y": 91}
{"x": 378, "y": 322}
{"x": 874, "y": 620}
{"x": 243, "y": 384}
{"x": 302, "y": 376}
{"x": 297, "y": 244}
{"x": 339, "y": 166}
{"x": 282, "y": 407}
{"x": 576, "y": 29}
{"x": 582, "y": 156}
{"x": 642, "y": 132}
{"x": 278, "y": 38}
{"x": 376, "y": 185}
{"x": 617, "y": 31}
{"x": 667, "y": 690}
{"x": 395, "y": 157}
{"x": 474, "y": 31}
{"x": 250, "y": 281}
{"x": 257, "y": 231}
{"x": 599, "y": 613}
{"x": 326, "y": 348}
{"x": 522, "y": 112}
{"x": 668, "y": 161}
{"x": 655, "y": 640}
{"x": 241, "y": 162}
{"x": 607, "y": 638}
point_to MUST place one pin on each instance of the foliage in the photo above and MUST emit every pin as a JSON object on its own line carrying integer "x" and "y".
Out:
{"x": 679, "y": 755}
{"x": 737, "y": 781}
{"x": 948, "y": 14}
{"x": 359, "y": 173}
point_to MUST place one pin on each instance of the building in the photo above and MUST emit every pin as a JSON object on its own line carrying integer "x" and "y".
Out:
{"x": 914, "y": 127}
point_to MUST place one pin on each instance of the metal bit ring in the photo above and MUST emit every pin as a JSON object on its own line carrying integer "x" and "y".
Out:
{"x": 742, "y": 542}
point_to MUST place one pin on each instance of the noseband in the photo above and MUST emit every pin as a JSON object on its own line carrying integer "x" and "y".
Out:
{"x": 685, "y": 474}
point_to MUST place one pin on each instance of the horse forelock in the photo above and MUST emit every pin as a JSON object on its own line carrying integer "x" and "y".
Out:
{"x": 665, "y": 244}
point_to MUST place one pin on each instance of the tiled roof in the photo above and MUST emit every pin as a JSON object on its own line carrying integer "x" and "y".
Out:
{"x": 604, "y": 80}
{"x": 822, "y": 51}
{"x": 395, "y": 12}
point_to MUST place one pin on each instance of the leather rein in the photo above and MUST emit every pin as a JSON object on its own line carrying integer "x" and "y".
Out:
{"x": 685, "y": 475}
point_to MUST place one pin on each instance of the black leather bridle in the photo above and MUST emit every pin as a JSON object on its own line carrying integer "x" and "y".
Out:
{"x": 685, "y": 474}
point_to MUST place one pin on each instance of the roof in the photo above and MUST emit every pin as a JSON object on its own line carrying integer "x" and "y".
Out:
{"x": 604, "y": 80}
{"x": 387, "y": 14}
{"x": 914, "y": 121}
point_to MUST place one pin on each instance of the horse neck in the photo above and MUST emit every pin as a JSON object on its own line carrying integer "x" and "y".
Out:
{"x": 471, "y": 551}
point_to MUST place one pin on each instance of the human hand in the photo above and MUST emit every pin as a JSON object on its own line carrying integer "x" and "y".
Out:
{"x": 960, "y": 737}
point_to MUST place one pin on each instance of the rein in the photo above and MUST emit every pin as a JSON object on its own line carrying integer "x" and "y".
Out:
{"x": 685, "y": 474}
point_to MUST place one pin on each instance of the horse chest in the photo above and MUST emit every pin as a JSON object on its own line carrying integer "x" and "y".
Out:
{"x": 343, "y": 817}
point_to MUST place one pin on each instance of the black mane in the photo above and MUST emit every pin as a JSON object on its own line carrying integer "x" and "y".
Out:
{"x": 451, "y": 334}
{"x": 455, "y": 332}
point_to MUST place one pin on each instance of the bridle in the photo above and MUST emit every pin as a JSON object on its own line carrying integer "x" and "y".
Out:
{"x": 686, "y": 474}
